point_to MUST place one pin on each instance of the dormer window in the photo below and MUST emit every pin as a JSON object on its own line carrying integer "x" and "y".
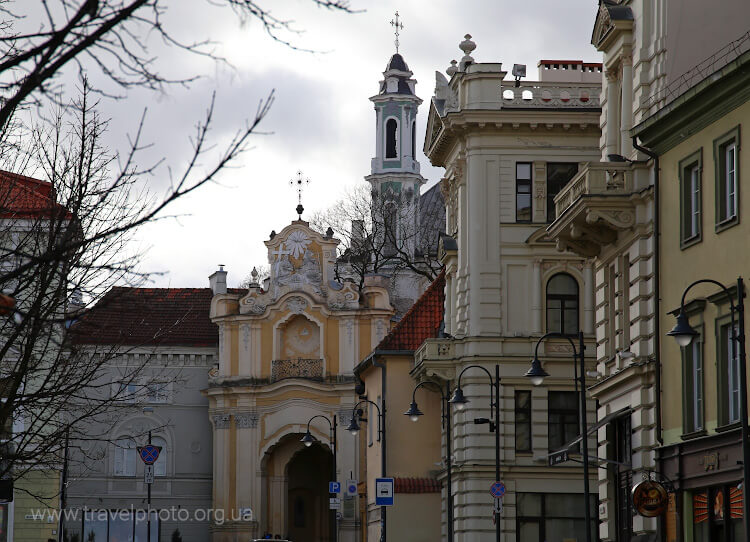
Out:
{"x": 391, "y": 128}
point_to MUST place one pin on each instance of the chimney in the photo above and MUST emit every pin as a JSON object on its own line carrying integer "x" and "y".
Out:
{"x": 218, "y": 281}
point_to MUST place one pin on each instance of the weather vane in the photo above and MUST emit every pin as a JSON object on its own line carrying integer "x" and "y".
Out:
{"x": 299, "y": 185}
{"x": 398, "y": 26}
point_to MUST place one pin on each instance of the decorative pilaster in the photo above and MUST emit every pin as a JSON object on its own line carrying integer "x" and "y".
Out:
{"x": 612, "y": 113}
{"x": 626, "y": 111}
{"x": 536, "y": 296}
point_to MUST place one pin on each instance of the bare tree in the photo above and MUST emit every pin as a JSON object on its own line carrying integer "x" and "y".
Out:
{"x": 384, "y": 233}
{"x": 65, "y": 239}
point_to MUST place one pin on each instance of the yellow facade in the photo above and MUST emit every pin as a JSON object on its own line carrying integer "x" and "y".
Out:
{"x": 287, "y": 350}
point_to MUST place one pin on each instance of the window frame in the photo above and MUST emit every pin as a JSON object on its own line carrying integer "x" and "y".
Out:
{"x": 560, "y": 417}
{"x": 686, "y": 167}
{"x": 161, "y": 467}
{"x": 395, "y": 137}
{"x": 120, "y": 449}
{"x": 520, "y": 413}
{"x": 691, "y": 386}
{"x": 562, "y": 298}
{"x": 720, "y": 144}
{"x": 723, "y": 375}
{"x": 525, "y": 182}
{"x": 545, "y": 514}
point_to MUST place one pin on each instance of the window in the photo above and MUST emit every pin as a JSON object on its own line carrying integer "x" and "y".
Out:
{"x": 562, "y": 304}
{"x": 542, "y": 517}
{"x": 692, "y": 363}
{"x": 125, "y": 456}
{"x": 726, "y": 161}
{"x": 717, "y": 514}
{"x": 523, "y": 192}
{"x": 391, "y": 127}
{"x": 157, "y": 392}
{"x": 558, "y": 176}
{"x": 120, "y": 524}
{"x": 414, "y": 140}
{"x": 126, "y": 392}
{"x": 729, "y": 375}
{"x": 160, "y": 467}
{"x": 523, "y": 421}
{"x": 690, "y": 199}
{"x": 623, "y": 444}
{"x": 562, "y": 415}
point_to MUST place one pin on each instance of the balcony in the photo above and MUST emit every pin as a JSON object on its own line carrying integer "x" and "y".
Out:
{"x": 310, "y": 369}
{"x": 435, "y": 359}
{"x": 596, "y": 205}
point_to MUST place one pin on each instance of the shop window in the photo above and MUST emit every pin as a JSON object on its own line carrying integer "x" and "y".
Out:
{"x": 112, "y": 526}
{"x": 542, "y": 517}
{"x": 562, "y": 304}
{"x": 692, "y": 372}
{"x": 690, "y": 199}
{"x": 523, "y": 192}
{"x": 562, "y": 416}
{"x": 717, "y": 514}
{"x": 558, "y": 175}
{"x": 728, "y": 369}
{"x": 523, "y": 421}
{"x": 726, "y": 162}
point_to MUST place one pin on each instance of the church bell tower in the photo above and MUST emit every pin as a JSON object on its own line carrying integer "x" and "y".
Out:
{"x": 395, "y": 177}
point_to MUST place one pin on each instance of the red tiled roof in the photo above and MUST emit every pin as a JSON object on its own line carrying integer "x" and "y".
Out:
{"x": 416, "y": 485}
{"x": 422, "y": 321}
{"x": 25, "y": 197}
{"x": 150, "y": 316}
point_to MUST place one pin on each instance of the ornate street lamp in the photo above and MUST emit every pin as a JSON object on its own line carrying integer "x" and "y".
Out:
{"x": 684, "y": 334}
{"x": 308, "y": 440}
{"x": 537, "y": 375}
{"x": 353, "y": 428}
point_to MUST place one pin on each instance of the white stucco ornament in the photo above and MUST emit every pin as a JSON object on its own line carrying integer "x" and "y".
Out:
{"x": 297, "y": 243}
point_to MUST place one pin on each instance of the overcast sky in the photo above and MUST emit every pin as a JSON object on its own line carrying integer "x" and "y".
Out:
{"x": 322, "y": 121}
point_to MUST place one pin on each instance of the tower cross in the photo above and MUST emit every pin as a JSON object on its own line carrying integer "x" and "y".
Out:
{"x": 299, "y": 184}
{"x": 398, "y": 26}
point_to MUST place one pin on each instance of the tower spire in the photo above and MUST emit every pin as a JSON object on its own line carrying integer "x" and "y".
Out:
{"x": 299, "y": 184}
{"x": 397, "y": 26}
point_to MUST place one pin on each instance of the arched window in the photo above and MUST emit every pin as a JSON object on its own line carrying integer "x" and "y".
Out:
{"x": 562, "y": 304}
{"x": 391, "y": 127}
{"x": 124, "y": 457}
{"x": 414, "y": 140}
{"x": 160, "y": 467}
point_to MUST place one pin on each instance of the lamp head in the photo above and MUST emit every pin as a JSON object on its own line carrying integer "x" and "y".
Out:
{"x": 308, "y": 439}
{"x": 536, "y": 372}
{"x": 683, "y": 332}
{"x": 414, "y": 413}
{"x": 458, "y": 400}
{"x": 353, "y": 426}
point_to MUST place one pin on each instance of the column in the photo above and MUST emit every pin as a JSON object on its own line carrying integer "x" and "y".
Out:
{"x": 536, "y": 296}
{"x": 612, "y": 113}
{"x": 626, "y": 111}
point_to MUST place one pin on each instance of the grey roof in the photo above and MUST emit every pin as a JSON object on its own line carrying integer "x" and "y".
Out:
{"x": 618, "y": 12}
{"x": 397, "y": 62}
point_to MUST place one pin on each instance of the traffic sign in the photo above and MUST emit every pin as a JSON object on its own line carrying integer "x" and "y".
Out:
{"x": 334, "y": 503}
{"x": 497, "y": 490}
{"x": 334, "y": 487}
{"x": 148, "y": 475}
{"x": 149, "y": 453}
{"x": 351, "y": 488}
{"x": 498, "y": 509}
{"x": 384, "y": 491}
{"x": 558, "y": 457}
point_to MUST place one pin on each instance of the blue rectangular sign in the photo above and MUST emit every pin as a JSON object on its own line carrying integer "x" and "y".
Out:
{"x": 384, "y": 491}
{"x": 334, "y": 487}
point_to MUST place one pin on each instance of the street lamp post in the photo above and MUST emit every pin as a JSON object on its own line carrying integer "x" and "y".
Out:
{"x": 148, "y": 411}
{"x": 414, "y": 413}
{"x": 353, "y": 428}
{"x": 537, "y": 374}
{"x": 684, "y": 334}
{"x": 459, "y": 401}
{"x": 308, "y": 440}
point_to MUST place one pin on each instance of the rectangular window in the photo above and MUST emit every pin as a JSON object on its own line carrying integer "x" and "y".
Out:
{"x": 542, "y": 517}
{"x": 558, "y": 175}
{"x": 523, "y": 192}
{"x": 157, "y": 392}
{"x": 562, "y": 417}
{"x": 729, "y": 375}
{"x": 690, "y": 199}
{"x": 523, "y": 421}
{"x": 726, "y": 162}
{"x": 692, "y": 362}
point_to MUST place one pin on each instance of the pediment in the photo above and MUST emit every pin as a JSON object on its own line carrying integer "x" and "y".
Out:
{"x": 434, "y": 127}
{"x": 611, "y": 17}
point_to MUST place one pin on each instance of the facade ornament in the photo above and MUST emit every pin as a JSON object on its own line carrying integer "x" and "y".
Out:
{"x": 221, "y": 421}
{"x": 246, "y": 420}
{"x": 296, "y": 304}
{"x": 350, "y": 330}
{"x": 620, "y": 220}
{"x": 452, "y": 69}
{"x": 246, "y": 335}
{"x": 467, "y": 46}
{"x": 611, "y": 75}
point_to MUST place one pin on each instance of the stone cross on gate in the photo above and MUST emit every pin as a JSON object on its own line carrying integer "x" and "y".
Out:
{"x": 398, "y": 26}
{"x": 279, "y": 252}
{"x": 299, "y": 183}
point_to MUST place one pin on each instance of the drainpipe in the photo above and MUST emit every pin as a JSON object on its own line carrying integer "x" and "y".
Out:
{"x": 383, "y": 444}
{"x": 657, "y": 295}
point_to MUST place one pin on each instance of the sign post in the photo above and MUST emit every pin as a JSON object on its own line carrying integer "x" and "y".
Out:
{"x": 334, "y": 487}
{"x": 351, "y": 488}
{"x": 149, "y": 454}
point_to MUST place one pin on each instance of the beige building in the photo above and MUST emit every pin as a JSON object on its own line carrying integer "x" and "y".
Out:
{"x": 507, "y": 150}
{"x": 287, "y": 352}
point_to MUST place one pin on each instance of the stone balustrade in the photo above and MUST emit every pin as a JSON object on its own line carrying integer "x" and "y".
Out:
{"x": 597, "y": 178}
{"x": 311, "y": 369}
{"x": 551, "y": 96}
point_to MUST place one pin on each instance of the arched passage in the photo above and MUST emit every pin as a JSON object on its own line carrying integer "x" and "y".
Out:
{"x": 308, "y": 473}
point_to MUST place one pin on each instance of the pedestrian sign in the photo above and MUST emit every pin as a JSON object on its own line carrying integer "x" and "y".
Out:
{"x": 334, "y": 487}
{"x": 351, "y": 488}
{"x": 497, "y": 490}
{"x": 384, "y": 491}
{"x": 149, "y": 453}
